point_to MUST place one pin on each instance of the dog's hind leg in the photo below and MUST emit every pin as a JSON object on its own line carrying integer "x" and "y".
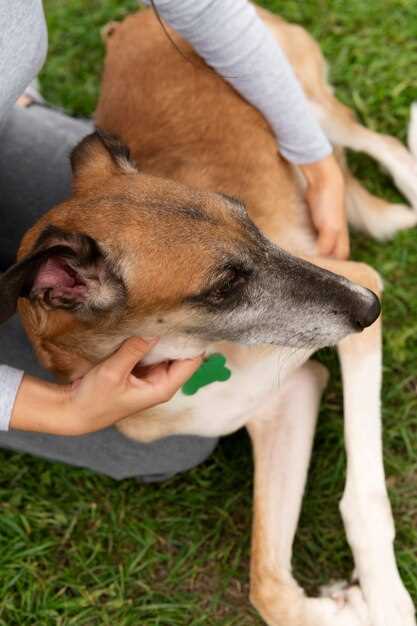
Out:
{"x": 365, "y": 506}
{"x": 372, "y": 215}
{"x": 282, "y": 435}
{"x": 342, "y": 128}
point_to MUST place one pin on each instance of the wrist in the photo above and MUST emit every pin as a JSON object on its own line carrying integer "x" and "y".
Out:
{"x": 41, "y": 406}
{"x": 322, "y": 172}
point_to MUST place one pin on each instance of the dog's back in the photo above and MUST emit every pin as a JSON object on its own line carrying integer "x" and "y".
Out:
{"x": 182, "y": 121}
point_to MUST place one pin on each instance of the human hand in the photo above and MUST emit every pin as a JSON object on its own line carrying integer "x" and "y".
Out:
{"x": 106, "y": 394}
{"x": 325, "y": 196}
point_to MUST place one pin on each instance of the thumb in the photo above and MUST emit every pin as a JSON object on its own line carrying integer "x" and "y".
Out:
{"x": 130, "y": 353}
{"x": 326, "y": 241}
{"x": 180, "y": 371}
{"x": 342, "y": 248}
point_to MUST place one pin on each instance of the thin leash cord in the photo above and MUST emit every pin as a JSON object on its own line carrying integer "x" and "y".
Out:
{"x": 198, "y": 66}
{"x": 174, "y": 44}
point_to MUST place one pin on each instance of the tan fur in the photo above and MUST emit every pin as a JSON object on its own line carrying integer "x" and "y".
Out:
{"x": 233, "y": 151}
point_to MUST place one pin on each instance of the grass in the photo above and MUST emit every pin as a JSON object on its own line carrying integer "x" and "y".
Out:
{"x": 80, "y": 549}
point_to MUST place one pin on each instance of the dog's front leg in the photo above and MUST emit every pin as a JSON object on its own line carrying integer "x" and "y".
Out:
{"x": 282, "y": 435}
{"x": 365, "y": 506}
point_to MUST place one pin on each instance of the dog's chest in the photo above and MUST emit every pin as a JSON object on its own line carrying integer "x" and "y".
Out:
{"x": 219, "y": 407}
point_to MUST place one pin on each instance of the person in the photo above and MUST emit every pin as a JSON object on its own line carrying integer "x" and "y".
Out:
{"x": 74, "y": 424}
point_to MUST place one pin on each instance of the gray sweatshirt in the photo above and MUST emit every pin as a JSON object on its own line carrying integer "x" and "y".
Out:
{"x": 226, "y": 33}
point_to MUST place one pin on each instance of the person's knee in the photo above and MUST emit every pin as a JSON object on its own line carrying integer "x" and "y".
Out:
{"x": 167, "y": 458}
{"x": 35, "y": 172}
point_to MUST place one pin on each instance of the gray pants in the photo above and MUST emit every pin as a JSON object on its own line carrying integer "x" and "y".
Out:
{"x": 35, "y": 175}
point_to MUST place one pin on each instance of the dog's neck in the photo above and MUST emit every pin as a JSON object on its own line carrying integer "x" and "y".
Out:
{"x": 172, "y": 348}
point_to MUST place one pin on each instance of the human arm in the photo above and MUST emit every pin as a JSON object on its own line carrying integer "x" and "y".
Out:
{"x": 107, "y": 394}
{"x": 23, "y": 47}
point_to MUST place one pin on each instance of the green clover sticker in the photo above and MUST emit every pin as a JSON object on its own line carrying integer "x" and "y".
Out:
{"x": 212, "y": 370}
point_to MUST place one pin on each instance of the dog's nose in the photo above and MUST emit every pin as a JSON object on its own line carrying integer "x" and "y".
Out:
{"x": 366, "y": 311}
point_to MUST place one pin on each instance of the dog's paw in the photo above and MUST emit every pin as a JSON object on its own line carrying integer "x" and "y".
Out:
{"x": 340, "y": 604}
{"x": 330, "y": 612}
{"x": 386, "y": 224}
{"x": 393, "y": 608}
{"x": 350, "y": 604}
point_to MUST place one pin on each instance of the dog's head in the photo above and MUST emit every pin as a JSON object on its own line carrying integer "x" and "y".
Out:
{"x": 133, "y": 254}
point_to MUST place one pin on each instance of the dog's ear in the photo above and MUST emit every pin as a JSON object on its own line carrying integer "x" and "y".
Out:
{"x": 99, "y": 156}
{"x": 65, "y": 271}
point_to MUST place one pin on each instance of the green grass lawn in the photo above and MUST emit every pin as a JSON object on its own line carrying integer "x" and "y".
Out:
{"x": 80, "y": 549}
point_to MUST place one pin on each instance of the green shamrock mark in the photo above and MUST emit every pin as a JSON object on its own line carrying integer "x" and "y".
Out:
{"x": 212, "y": 370}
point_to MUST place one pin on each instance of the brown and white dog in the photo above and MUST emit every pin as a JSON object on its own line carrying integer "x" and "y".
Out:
{"x": 182, "y": 243}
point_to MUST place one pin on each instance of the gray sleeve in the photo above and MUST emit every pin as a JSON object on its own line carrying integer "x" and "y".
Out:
{"x": 231, "y": 38}
{"x": 23, "y": 45}
{"x": 10, "y": 380}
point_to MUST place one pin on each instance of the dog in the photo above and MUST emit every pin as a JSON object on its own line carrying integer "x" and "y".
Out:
{"x": 203, "y": 239}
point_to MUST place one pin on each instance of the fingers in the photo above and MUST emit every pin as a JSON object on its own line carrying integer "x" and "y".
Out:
{"x": 333, "y": 243}
{"x": 342, "y": 248}
{"x": 24, "y": 101}
{"x": 180, "y": 371}
{"x": 325, "y": 196}
{"x": 169, "y": 377}
{"x": 163, "y": 381}
{"x": 122, "y": 362}
{"x": 111, "y": 391}
{"x": 326, "y": 241}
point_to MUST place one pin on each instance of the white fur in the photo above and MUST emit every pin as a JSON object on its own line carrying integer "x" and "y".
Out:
{"x": 170, "y": 348}
{"x": 223, "y": 407}
{"x": 282, "y": 437}
{"x": 348, "y": 595}
{"x": 380, "y": 224}
{"x": 365, "y": 506}
{"x": 395, "y": 158}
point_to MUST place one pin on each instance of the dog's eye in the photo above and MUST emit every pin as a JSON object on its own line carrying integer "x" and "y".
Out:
{"x": 230, "y": 283}
{"x": 226, "y": 289}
